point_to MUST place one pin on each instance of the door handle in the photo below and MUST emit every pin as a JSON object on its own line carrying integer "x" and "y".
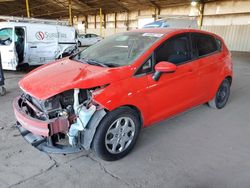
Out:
{"x": 190, "y": 70}
{"x": 33, "y": 47}
{"x": 10, "y": 50}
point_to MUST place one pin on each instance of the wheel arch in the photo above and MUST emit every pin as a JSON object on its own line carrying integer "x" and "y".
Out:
{"x": 229, "y": 78}
{"x": 133, "y": 107}
{"x": 138, "y": 113}
{"x": 218, "y": 83}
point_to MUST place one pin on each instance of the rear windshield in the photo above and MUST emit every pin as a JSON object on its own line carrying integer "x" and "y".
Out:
{"x": 119, "y": 50}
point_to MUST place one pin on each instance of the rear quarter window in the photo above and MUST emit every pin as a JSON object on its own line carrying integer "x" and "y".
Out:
{"x": 219, "y": 44}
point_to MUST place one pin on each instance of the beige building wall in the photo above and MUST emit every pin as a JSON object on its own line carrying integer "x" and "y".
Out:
{"x": 230, "y": 20}
{"x": 222, "y": 17}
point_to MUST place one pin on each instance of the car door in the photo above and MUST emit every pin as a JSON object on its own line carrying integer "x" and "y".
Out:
{"x": 7, "y": 49}
{"x": 81, "y": 38}
{"x": 209, "y": 57}
{"x": 94, "y": 38}
{"x": 173, "y": 92}
{"x": 87, "y": 40}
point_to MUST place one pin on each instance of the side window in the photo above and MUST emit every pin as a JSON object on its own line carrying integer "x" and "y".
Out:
{"x": 6, "y": 36}
{"x": 174, "y": 50}
{"x": 219, "y": 44}
{"x": 204, "y": 44}
{"x": 93, "y": 35}
{"x": 147, "y": 67}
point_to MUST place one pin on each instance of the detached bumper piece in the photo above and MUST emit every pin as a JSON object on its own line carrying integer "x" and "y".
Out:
{"x": 39, "y": 127}
{"x": 39, "y": 132}
{"x": 42, "y": 144}
{"x": 50, "y": 135}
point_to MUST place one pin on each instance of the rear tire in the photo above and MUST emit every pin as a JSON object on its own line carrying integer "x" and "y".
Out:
{"x": 221, "y": 96}
{"x": 117, "y": 134}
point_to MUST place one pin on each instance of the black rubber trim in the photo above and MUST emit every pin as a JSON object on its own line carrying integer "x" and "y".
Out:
{"x": 41, "y": 143}
{"x": 67, "y": 42}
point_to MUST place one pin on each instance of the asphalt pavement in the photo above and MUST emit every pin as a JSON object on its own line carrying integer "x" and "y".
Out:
{"x": 201, "y": 148}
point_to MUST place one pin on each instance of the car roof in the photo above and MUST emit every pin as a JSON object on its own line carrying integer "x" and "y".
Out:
{"x": 155, "y": 30}
{"x": 167, "y": 31}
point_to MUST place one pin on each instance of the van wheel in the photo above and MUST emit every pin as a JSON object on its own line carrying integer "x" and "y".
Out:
{"x": 222, "y": 95}
{"x": 117, "y": 134}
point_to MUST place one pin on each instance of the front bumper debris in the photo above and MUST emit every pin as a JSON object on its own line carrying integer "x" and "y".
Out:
{"x": 36, "y": 126}
{"x": 42, "y": 144}
{"x": 39, "y": 133}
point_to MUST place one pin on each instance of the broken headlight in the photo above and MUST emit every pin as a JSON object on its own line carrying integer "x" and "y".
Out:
{"x": 51, "y": 104}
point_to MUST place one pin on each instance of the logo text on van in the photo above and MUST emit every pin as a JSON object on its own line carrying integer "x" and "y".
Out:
{"x": 40, "y": 35}
{"x": 49, "y": 36}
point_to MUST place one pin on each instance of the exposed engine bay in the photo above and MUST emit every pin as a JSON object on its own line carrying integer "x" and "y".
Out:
{"x": 67, "y": 115}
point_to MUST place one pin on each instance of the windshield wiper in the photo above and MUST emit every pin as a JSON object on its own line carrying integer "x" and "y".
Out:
{"x": 95, "y": 62}
{"x": 113, "y": 65}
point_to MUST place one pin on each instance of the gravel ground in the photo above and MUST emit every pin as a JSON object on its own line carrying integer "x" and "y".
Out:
{"x": 201, "y": 148}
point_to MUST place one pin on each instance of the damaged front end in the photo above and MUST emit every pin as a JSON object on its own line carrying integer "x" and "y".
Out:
{"x": 65, "y": 123}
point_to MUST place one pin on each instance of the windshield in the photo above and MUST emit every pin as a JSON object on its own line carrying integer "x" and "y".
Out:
{"x": 118, "y": 50}
{"x": 6, "y": 36}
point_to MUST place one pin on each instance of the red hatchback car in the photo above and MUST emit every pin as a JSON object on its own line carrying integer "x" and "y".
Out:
{"x": 101, "y": 97}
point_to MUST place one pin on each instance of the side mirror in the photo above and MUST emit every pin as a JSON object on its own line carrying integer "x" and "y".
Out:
{"x": 163, "y": 67}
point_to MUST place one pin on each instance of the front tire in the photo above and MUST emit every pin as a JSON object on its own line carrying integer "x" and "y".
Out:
{"x": 222, "y": 95}
{"x": 117, "y": 134}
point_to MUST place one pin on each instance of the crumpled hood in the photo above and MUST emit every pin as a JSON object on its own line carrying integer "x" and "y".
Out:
{"x": 66, "y": 74}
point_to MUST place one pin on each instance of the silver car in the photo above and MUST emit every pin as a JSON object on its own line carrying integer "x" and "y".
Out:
{"x": 88, "y": 39}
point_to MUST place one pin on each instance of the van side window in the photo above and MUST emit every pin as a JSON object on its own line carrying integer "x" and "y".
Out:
{"x": 175, "y": 50}
{"x": 6, "y": 36}
{"x": 204, "y": 44}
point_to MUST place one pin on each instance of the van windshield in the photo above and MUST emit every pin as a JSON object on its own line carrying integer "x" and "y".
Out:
{"x": 6, "y": 36}
{"x": 118, "y": 50}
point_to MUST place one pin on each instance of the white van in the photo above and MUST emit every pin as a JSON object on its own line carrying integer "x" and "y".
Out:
{"x": 34, "y": 43}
